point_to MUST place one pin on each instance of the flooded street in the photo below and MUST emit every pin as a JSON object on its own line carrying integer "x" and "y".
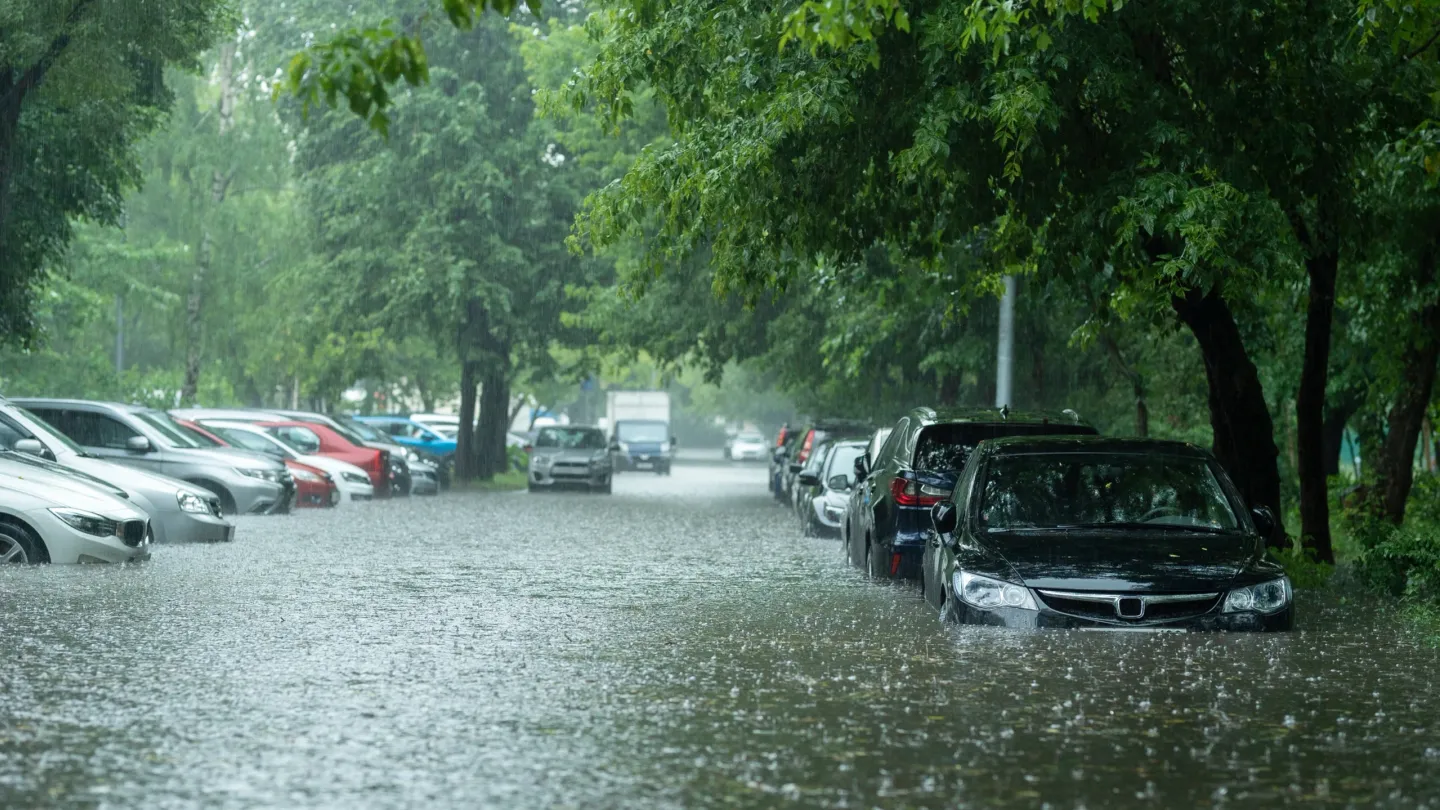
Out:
{"x": 677, "y": 644}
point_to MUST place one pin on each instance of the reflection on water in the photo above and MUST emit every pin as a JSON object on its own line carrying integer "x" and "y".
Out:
{"x": 677, "y": 644}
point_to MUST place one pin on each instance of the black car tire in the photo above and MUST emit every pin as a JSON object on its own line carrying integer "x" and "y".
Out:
{"x": 31, "y": 545}
{"x": 877, "y": 561}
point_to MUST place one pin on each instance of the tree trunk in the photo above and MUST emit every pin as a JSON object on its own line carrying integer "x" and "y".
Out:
{"x": 219, "y": 183}
{"x": 1395, "y": 468}
{"x": 1310, "y": 408}
{"x": 465, "y": 438}
{"x": 1239, "y": 416}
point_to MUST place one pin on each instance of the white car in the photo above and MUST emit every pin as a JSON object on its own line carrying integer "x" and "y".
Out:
{"x": 749, "y": 447}
{"x": 50, "y": 515}
{"x": 354, "y": 483}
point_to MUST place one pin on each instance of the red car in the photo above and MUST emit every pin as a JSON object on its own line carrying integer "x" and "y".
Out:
{"x": 317, "y": 439}
{"x": 314, "y": 488}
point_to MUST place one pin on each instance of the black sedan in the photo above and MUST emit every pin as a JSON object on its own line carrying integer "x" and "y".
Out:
{"x": 1102, "y": 534}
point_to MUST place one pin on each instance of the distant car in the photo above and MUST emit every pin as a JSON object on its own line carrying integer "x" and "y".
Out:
{"x": 349, "y": 482}
{"x": 50, "y": 515}
{"x": 1099, "y": 533}
{"x": 747, "y": 447}
{"x": 827, "y": 490}
{"x": 150, "y": 440}
{"x": 570, "y": 456}
{"x": 916, "y": 469}
{"x": 179, "y": 512}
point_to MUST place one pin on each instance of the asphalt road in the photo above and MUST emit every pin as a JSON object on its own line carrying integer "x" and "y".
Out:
{"x": 677, "y": 644}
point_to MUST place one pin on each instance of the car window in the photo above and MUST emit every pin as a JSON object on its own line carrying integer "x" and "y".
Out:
{"x": 296, "y": 437}
{"x": 92, "y": 429}
{"x": 10, "y": 433}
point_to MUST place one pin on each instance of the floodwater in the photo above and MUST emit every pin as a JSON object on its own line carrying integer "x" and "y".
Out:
{"x": 677, "y": 644}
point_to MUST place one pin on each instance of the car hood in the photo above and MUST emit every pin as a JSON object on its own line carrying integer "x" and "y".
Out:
{"x": 60, "y": 488}
{"x": 228, "y": 456}
{"x": 1128, "y": 561}
{"x": 158, "y": 488}
{"x": 568, "y": 454}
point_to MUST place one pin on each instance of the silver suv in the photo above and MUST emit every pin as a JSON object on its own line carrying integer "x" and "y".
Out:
{"x": 147, "y": 439}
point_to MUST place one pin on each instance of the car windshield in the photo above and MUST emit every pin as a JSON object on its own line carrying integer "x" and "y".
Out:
{"x": 53, "y": 434}
{"x": 1058, "y": 491}
{"x": 246, "y": 439}
{"x": 842, "y": 460}
{"x": 944, "y": 448}
{"x": 643, "y": 432}
{"x": 571, "y": 438}
{"x": 165, "y": 424}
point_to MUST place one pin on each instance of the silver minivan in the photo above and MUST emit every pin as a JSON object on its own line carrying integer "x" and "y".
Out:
{"x": 150, "y": 440}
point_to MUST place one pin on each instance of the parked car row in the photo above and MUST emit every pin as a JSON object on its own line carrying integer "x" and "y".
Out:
{"x": 84, "y": 481}
{"x": 1035, "y": 520}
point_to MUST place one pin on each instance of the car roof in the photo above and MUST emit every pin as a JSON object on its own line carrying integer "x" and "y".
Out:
{"x": 1045, "y": 445}
{"x": 995, "y": 416}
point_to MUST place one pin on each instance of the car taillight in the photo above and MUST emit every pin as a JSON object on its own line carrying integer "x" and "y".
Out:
{"x": 909, "y": 492}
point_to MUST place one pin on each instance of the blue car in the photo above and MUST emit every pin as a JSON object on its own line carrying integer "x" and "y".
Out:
{"x": 423, "y": 439}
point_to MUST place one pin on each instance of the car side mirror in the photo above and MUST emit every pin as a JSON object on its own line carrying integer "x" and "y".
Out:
{"x": 30, "y": 446}
{"x": 1264, "y": 520}
{"x": 839, "y": 482}
{"x": 944, "y": 515}
{"x": 808, "y": 479}
{"x": 862, "y": 468}
{"x": 138, "y": 444}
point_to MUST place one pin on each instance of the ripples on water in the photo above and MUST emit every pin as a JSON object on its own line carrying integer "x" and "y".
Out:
{"x": 678, "y": 644}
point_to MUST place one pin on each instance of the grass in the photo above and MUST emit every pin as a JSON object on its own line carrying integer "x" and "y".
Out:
{"x": 504, "y": 482}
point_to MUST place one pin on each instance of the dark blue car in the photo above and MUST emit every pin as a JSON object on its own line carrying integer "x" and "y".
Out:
{"x": 916, "y": 468}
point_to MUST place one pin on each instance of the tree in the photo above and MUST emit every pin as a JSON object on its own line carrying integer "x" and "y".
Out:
{"x": 81, "y": 82}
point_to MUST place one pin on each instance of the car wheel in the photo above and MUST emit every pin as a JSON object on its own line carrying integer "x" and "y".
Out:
{"x": 20, "y": 545}
{"x": 877, "y": 561}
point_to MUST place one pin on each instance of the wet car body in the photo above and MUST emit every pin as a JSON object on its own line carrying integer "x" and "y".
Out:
{"x": 179, "y": 512}
{"x": 570, "y": 456}
{"x": 131, "y": 435}
{"x": 1172, "y": 571}
{"x": 825, "y": 492}
{"x": 916, "y": 468}
{"x": 49, "y": 514}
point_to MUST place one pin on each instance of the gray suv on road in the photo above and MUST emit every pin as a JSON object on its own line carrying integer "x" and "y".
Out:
{"x": 150, "y": 440}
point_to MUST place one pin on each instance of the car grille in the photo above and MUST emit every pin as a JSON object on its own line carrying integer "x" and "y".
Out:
{"x": 1129, "y": 608}
{"x": 132, "y": 532}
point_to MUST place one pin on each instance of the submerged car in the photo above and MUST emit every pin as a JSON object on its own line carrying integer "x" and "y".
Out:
{"x": 51, "y": 515}
{"x": 179, "y": 512}
{"x": 570, "y": 456}
{"x": 1098, "y": 533}
{"x": 917, "y": 468}
{"x": 150, "y": 440}
{"x": 825, "y": 491}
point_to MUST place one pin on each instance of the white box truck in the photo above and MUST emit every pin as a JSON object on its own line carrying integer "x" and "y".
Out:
{"x": 639, "y": 425}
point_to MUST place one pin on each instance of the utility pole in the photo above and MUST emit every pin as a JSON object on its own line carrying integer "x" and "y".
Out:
{"x": 119, "y": 333}
{"x": 1005, "y": 355}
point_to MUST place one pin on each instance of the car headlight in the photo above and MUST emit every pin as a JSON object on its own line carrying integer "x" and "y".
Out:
{"x": 1267, "y": 597}
{"x": 987, "y": 593}
{"x": 192, "y": 503}
{"x": 306, "y": 475}
{"x": 273, "y": 476}
{"x": 87, "y": 522}
{"x": 355, "y": 477}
